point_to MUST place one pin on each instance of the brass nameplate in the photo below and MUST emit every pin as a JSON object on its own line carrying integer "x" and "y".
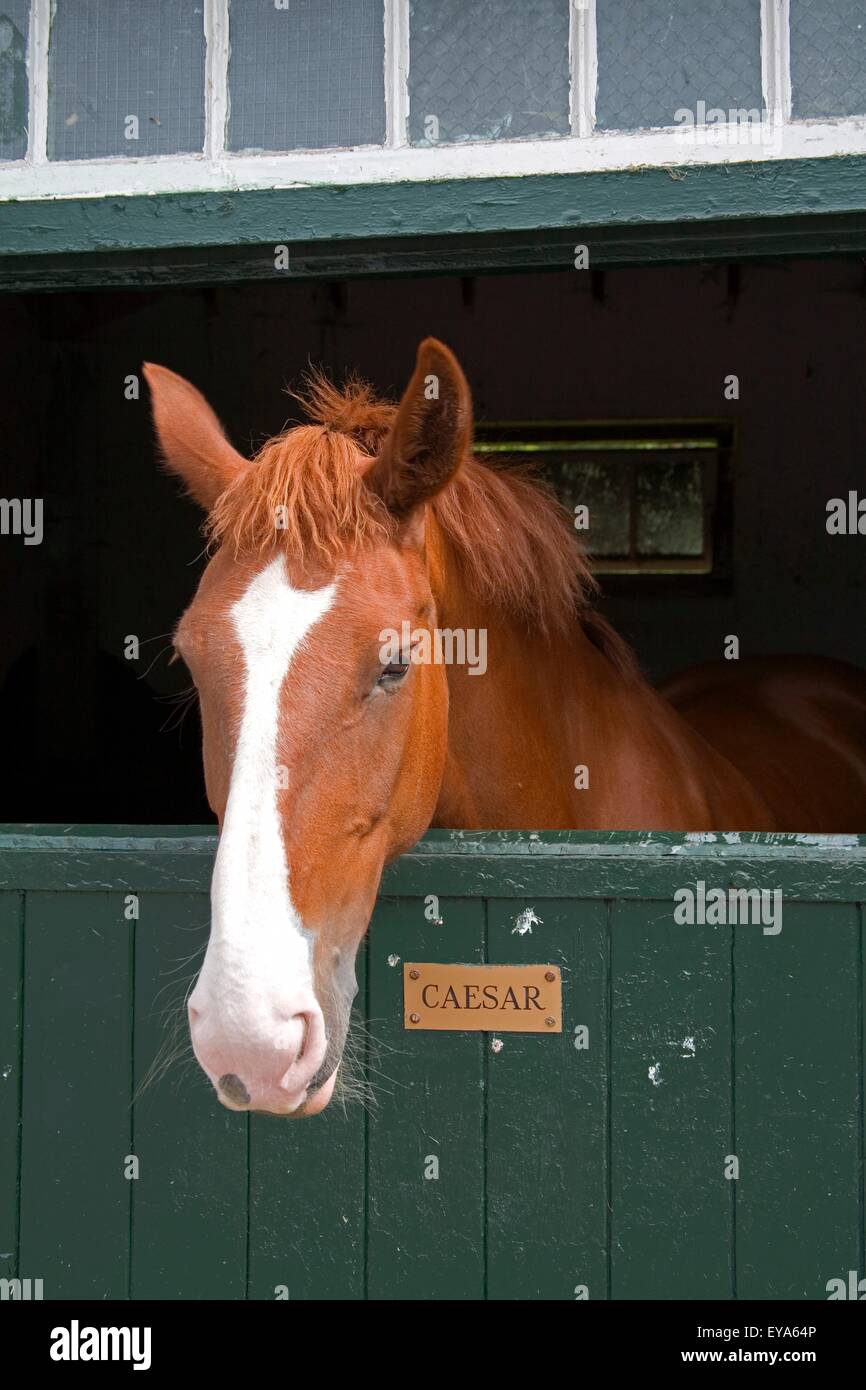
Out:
{"x": 482, "y": 998}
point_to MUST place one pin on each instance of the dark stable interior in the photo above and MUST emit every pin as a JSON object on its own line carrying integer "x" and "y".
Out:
{"x": 87, "y": 736}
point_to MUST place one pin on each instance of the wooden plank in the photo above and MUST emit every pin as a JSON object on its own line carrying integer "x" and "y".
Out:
{"x": 563, "y": 864}
{"x": 315, "y": 212}
{"x": 76, "y": 1114}
{"x": 671, "y": 1112}
{"x": 425, "y": 1233}
{"x": 798, "y": 1082}
{"x": 11, "y": 999}
{"x": 154, "y": 863}
{"x": 189, "y": 1228}
{"x": 308, "y": 1189}
{"x": 818, "y": 877}
{"x": 547, "y": 1112}
{"x": 473, "y": 254}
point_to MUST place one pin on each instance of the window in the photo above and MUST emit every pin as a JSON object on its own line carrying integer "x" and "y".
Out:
{"x": 13, "y": 79}
{"x": 125, "y": 80}
{"x": 273, "y": 91}
{"x": 659, "y": 56}
{"x": 310, "y": 76}
{"x": 648, "y": 497}
{"x": 487, "y": 71}
{"x": 828, "y": 57}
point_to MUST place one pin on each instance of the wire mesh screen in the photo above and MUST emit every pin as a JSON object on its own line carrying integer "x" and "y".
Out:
{"x": 487, "y": 70}
{"x": 310, "y": 76}
{"x": 125, "y": 78}
{"x": 657, "y": 56}
{"x": 14, "y": 20}
{"x": 828, "y": 57}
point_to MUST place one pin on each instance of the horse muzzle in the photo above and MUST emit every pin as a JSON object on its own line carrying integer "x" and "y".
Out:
{"x": 268, "y": 1057}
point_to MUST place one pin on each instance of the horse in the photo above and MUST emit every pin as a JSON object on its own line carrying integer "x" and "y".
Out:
{"x": 335, "y": 735}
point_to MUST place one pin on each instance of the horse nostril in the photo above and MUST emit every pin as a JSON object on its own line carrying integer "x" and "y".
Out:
{"x": 305, "y": 1033}
{"x": 234, "y": 1089}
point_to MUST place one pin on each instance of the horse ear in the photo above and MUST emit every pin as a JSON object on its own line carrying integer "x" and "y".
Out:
{"x": 430, "y": 435}
{"x": 190, "y": 436}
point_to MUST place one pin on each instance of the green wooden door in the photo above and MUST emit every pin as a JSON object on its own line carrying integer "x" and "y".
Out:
{"x": 597, "y": 1163}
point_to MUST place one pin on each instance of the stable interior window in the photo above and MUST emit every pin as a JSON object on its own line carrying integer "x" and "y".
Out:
{"x": 647, "y": 497}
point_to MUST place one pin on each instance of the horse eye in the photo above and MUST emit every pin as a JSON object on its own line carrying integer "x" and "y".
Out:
{"x": 393, "y": 674}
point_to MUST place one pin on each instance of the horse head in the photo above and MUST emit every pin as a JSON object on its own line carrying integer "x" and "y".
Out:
{"x": 324, "y": 746}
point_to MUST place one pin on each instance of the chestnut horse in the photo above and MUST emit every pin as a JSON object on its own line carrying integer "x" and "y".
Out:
{"x": 327, "y": 753}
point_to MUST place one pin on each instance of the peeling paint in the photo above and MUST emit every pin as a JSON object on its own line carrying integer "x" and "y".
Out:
{"x": 828, "y": 841}
{"x": 525, "y": 922}
{"x": 393, "y": 960}
{"x": 655, "y": 1074}
{"x": 496, "y": 1045}
{"x": 688, "y": 1046}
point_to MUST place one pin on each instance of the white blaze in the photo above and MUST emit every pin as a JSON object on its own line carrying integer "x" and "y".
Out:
{"x": 257, "y": 944}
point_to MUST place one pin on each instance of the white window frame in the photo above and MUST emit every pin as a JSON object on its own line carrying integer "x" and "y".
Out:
{"x": 585, "y": 150}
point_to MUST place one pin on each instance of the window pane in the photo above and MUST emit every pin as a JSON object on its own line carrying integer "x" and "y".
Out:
{"x": 14, "y": 19}
{"x": 670, "y": 508}
{"x": 828, "y": 57}
{"x": 308, "y": 77}
{"x": 602, "y": 485}
{"x": 125, "y": 78}
{"x": 490, "y": 70}
{"x": 656, "y": 56}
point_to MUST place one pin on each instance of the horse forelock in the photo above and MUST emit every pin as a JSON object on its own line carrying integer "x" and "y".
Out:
{"x": 501, "y": 528}
{"x": 305, "y": 490}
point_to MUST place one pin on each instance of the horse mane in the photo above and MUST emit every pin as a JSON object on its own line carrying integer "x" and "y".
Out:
{"x": 501, "y": 524}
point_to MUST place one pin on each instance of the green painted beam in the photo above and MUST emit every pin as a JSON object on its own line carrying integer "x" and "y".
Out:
{"x": 503, "y": 253}
{"x": 562, "y": 864}
{"x": 639, "y": 197}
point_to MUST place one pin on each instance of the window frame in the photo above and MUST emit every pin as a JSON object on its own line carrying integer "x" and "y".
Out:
{"x": 716, "y": 437}
{"x": 585, "y": 150}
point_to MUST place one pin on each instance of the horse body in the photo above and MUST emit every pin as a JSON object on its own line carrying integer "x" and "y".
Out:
{"x": 329, "y": 752}
{"x": 761, "y": 744}
{"x": 794, "y": 725}
{"x": 559, "y": 711}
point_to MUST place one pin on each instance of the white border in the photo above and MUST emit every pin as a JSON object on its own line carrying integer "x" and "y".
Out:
{"x": 583, "y": 66}
{"x": 216, "y": 77}
{"x": 776, "y": 59}
{"x": 396, "y": 73}
{"x": 37, "y": 78}
{"x": 663, "y": 149}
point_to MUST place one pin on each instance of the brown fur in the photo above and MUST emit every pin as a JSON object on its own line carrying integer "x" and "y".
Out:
{"x": 502, "y": 525}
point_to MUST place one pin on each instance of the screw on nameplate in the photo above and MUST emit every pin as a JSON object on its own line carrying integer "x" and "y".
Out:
{"x": 482, "y": 998}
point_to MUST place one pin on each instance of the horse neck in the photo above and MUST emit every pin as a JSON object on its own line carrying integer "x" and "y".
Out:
{"x": 550, "y": 704}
